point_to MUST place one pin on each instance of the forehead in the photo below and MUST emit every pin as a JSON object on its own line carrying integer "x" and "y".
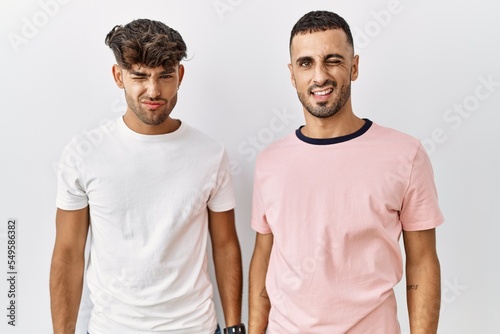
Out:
{"x": 320, "y": 43}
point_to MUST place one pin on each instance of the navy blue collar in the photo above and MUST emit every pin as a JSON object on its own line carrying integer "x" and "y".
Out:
{"x": 335, "y": 140}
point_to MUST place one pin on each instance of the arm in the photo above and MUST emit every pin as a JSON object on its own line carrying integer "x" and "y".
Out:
{"x": 66, "y": 272}
{"x": 258, "y": 299}
{"x": 227, "y": 262}
{"x": 423, "y": 279}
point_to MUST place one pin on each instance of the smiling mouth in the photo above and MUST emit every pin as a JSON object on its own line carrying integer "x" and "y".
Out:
{"x": 322, "y": 92}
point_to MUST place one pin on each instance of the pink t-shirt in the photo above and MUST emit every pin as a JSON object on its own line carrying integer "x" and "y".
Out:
{"x": 336, "y": 208}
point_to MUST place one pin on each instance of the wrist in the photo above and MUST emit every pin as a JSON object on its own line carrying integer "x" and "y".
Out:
{"x": 238, "y": 329}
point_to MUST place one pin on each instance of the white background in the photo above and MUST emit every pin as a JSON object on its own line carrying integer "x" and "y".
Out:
{"x": 421, "y": 62}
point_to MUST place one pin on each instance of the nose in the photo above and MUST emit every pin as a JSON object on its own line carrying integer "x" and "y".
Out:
{"x": 153, "y": 88}
{"x": 320, "y": 75}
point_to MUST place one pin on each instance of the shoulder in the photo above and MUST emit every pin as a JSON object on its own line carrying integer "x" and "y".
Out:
{"x": 196, "y": 135}
{"x": 199, "y": 145}
{"x": 394, "y": 145}
{"x": 390, "y": 133}
{"x": 391, "y": 138}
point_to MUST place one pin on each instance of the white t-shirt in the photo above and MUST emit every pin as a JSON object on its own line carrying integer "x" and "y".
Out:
{"x": 148, "y": 197}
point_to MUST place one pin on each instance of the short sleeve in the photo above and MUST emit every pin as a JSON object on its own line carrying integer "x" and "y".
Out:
{"x": 71, "y": 194}
{"x": 259, "y": 221}
{"x": 222, "y": 196}
{"x": 420, "y": 209}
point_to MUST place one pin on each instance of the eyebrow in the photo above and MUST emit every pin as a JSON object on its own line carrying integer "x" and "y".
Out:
{"x": 144, "y": 75}
{"x": 328, "y": 56}
{"x": 334, "y": 55}
{"x": 138, "y": 74}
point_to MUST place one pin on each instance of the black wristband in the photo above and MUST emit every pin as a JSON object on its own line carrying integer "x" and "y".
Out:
{"x": 235, "y": 329}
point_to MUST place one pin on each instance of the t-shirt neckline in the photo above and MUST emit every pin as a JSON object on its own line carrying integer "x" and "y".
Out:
{"x": 151, "y": 138}
{"x": 335, "y": 140}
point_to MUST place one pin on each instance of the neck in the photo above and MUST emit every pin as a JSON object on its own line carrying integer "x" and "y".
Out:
{"x": 340, "y": 124}
{"x": 136, "y": 125}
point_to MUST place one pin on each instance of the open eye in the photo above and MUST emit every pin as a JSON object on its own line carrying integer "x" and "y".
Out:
{"x": 305, "y": 63}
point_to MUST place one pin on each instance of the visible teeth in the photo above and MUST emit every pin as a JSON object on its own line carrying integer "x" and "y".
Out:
{"x": 324, "y": 92}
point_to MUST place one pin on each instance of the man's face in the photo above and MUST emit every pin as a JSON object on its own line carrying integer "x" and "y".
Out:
{"x": 151, "y": 93}
{"x": 322, "y": 68}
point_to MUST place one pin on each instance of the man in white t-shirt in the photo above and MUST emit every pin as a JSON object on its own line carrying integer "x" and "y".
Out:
{"x": 150, "y": 191}
{"x": 330, "y": 203}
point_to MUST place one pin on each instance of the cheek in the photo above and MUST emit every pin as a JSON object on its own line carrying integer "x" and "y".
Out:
{"x": 302, "y": 79}
{"x": 301, "y": 85}
{"x": 134, "y": 95}
{"x": 169, "y": 92}
{"x": 133, "y": 89}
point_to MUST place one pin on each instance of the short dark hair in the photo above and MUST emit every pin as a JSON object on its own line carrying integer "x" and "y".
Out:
{"x": 321, "y": 20}
{"x": 148, "y": 43}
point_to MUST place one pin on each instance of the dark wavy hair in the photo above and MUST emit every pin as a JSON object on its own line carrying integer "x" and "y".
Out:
{"x": 321, "y": 20}
{"x": 147, "y": 43}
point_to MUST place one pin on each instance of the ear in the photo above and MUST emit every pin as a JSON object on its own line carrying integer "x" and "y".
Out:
{"x": 354, "y": 67}
{"x": 292, "y": 77}
{"x": 181, "y": 73}
{"x": 118, "y": 76}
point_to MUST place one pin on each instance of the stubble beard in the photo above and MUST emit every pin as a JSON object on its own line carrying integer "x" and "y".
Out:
{"x": 147, "y": 116}
{"x": 322, "y": 109}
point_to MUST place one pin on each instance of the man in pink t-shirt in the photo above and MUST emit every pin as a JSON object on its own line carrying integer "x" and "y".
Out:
{"x": 330, "y": 203}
